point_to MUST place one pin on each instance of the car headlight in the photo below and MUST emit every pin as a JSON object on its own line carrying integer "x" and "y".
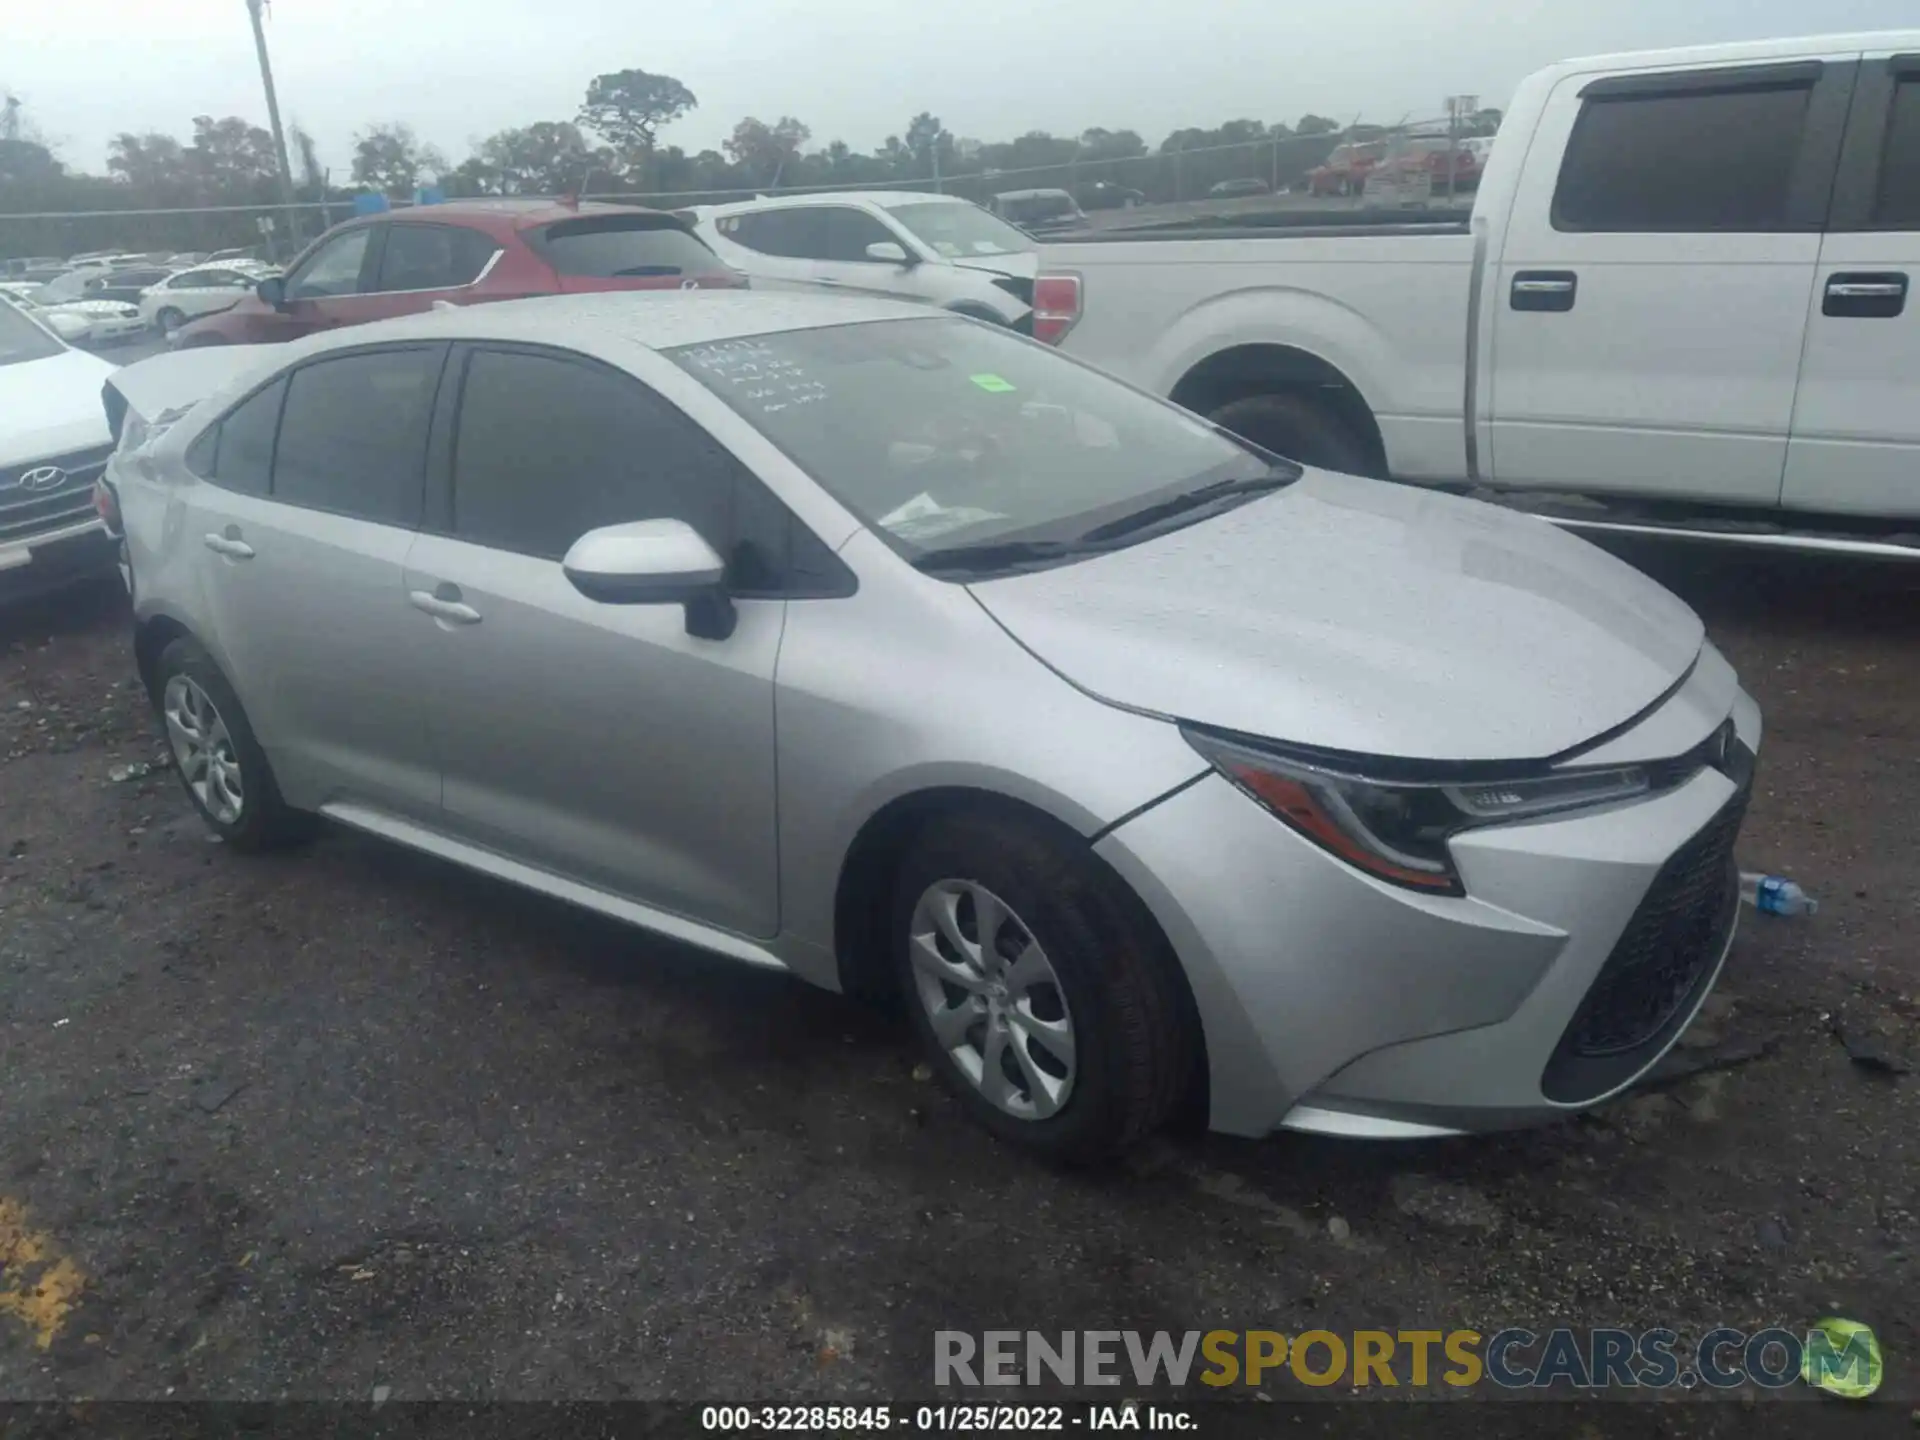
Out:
{"x": 1398, "y": 830}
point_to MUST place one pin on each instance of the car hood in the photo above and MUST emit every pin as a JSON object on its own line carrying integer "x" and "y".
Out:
{"x": 52, "y": 407}
{"x": 1367, "y": 617}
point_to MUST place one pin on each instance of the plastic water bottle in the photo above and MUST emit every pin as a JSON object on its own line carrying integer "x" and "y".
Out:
{"x": 1771, "y": 895}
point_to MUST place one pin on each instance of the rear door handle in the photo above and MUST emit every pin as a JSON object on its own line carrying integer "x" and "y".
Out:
{"x": 1548, "y": 290}
{"x": 444, "y": 603}
{"x": 1866, "y": 295}
{"x": 231, "y": 546}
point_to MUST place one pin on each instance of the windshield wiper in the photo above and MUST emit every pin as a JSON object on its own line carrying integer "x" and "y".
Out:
{"x": 1191, "y": 500}
{"x": 1001, "y": 555}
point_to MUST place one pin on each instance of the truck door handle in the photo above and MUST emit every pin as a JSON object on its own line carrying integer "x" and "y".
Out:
{"x": 231, "y": 546}
{"x": 1865, "y": 296}
{"x": 1549, "y": 290}
{"x": 443, "y": 602}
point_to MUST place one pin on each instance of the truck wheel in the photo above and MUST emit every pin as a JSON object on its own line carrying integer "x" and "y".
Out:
{"x": 1294, "y": 425}
{"x": 1045, "y": 1001}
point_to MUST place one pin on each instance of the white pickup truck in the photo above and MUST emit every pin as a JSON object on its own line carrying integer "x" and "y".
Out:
{"x": 1681, "y": 302}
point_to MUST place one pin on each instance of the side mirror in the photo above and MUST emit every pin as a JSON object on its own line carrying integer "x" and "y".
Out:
{"x": 654, "y": 562}
{"x": 273, "y": 290}
{"x": 890, "y": 253}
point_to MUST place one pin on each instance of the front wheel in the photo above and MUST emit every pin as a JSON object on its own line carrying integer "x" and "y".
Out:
{"x": 1046, "y": 1001}
{"x": 169, "y": 320}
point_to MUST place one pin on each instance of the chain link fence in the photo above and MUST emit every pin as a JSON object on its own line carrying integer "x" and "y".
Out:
{"x": 1332, "y": 169}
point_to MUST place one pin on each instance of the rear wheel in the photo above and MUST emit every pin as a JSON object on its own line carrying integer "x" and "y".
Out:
{"x": 1046, "y": 1001}
{"x": 1292, "y": 423}
{"x": 220, "y": 763}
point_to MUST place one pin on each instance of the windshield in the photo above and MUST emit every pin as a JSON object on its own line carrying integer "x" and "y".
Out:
{"x": 21, "y": 339}
{"x": 957, "y": 231}
{"x": 940, "y": 433}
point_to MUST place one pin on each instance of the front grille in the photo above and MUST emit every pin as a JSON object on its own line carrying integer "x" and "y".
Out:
{"x": 1660, "y": 962}
{"x": 25, "y": 514}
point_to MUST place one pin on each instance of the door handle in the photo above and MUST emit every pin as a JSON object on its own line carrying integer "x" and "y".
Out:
{"x": 1865, "y": 296}
{"x": 1545, "y": 290}
{"x": 449, "y": 608}
{"x": 231, "y": 546}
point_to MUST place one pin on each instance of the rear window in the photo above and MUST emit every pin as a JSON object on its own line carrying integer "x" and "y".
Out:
{"x": 608, "y": 247}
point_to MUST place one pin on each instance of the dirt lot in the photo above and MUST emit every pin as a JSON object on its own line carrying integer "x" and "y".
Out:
{"x": 350, "y": 1119}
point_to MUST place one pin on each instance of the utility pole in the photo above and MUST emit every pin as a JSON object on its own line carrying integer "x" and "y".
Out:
{"x": 254, "y": 8}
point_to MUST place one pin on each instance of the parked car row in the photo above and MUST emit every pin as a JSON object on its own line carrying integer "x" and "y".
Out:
{"x": 119, "y": 302}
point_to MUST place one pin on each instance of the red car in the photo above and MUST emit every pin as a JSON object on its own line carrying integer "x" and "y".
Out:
{"x": 466, "y": 251}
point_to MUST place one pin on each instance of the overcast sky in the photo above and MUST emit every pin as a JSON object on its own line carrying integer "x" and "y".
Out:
{"x": 855, "y": 70}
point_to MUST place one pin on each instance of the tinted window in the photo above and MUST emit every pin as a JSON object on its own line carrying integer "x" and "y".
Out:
{"x": 433, "y": 257}
{"x": 333, "y": 269}
{"x": 613, "y": 246}
{"x": 548, "y": 449}
{"x": 237, "y": 454}
{"x": 1700, "y": 160}
{"x": 1899, "y": 199}
{"x": 939, "y": 431}
{"x": 849, "y": 232}
{"x": 798, "y": 234}
{"x": 353, "y": 439}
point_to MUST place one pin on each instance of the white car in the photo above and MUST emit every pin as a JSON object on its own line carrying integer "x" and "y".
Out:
{"x": 203, "y": 290}
{"x": 936, "y": 249}
{"x": 92, "y": 322}
{"x": 54, "y": 442}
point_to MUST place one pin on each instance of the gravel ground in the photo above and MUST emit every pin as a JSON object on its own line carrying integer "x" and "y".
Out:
{"x": 348, "y": 1119}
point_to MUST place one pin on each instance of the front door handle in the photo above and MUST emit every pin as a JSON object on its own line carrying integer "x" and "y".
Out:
{"x": 1865, "y": 295}
{"x": 1545, "y": 290}
{"x": 443, "y": 602}
{"x": 230, "y": 545}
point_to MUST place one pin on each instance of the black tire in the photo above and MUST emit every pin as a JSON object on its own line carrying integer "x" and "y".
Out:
{"x": 1292, "y": 423}
{"x": 1135, "y": 1038}
{"x": 265, "y": 821}
{"x": 169, "y": 320}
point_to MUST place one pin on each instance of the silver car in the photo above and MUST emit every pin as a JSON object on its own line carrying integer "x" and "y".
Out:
{"x": 1149, "y": 771}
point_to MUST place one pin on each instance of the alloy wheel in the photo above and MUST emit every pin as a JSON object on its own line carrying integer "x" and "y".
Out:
{"x": 203, "y": 749}
{"x": 992, "y": 998}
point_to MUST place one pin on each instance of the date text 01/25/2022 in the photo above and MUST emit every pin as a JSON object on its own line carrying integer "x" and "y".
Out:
{"x": 944, "y": 1419}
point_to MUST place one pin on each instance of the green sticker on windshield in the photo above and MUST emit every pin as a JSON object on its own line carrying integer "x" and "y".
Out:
{"x": 992, "y": 384}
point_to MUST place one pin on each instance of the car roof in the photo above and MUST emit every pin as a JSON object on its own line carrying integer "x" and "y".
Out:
{"x": 502, "y": 214}
{"x": 609, "y": 324}
{"x": 1031, "y": 194}
{"x": 882, "y": 198}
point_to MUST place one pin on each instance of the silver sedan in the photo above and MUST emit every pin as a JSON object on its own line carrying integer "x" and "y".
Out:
{"x": 1149, "y": 771}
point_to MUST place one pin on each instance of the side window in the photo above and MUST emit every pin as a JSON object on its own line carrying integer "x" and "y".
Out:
{"x": 1897, "y": 205}
{"x": 433, "y": 257}
{"x": 547, "y": 449}
{"x": 797, "y": 233}
{"x": 333, "y": 269}
{"x": 849, "y": 232}
{"x": 1686, "y": 160}
{"x": 237, "y": 453}
{"x": 353, "y": 438}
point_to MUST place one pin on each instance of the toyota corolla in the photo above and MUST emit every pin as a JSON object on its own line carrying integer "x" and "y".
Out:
{"x": 1145, "y": 769}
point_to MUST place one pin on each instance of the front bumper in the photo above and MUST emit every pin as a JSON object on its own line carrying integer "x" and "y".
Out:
{"x": 1335, "y": 1003}
{"x": 50, "y": 562}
